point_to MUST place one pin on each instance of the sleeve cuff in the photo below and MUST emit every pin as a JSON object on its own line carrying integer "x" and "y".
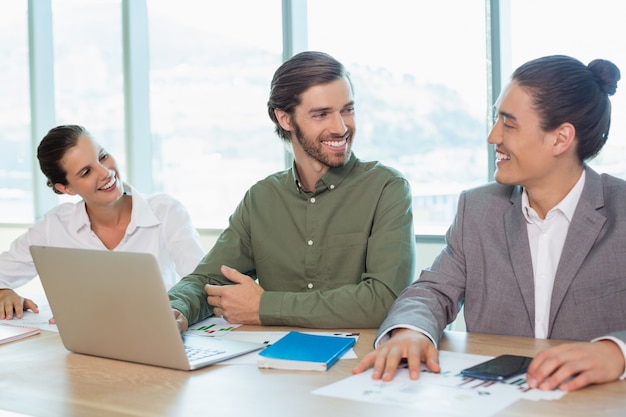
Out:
{"x": 386, "y": 335}
{"x": 621, "y": 345}
{"x": 270, "y": 308}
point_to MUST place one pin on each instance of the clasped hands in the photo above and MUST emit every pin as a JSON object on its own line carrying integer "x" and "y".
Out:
{"x": 567, "y": 367}
{"x": 238, "y": 303}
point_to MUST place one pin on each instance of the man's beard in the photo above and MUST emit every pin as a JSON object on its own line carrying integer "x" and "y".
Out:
{"x": 314, "y": 148}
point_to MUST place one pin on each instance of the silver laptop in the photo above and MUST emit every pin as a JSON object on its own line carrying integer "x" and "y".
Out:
{"x": 114, "y": 305}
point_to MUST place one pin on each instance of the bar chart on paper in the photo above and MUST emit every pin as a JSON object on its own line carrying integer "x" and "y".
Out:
{"x": 213, "y": 327}
{"x": 439, "y": 394}
{"x": 473, "y": 383}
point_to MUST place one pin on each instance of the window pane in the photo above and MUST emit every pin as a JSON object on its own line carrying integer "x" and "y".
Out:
{"x": 419, "y": 73}
{"x": 89, "y": 79}
{"x": 16, "y": 181}
{"x": 210, "y": 70}
{"x": 585, "y": 32}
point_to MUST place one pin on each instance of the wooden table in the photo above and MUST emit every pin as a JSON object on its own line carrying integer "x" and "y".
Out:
{"x": 39, "y": 377}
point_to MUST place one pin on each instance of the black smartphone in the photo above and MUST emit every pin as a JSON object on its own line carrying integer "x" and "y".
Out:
{"x": 499, "y": 368}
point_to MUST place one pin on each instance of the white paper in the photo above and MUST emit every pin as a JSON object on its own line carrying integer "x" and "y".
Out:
{"x": 444, "y": 394}
{"x": 30, "y": 319}
{"x": 7, "y": 413}
{"x": 212, "y": 327}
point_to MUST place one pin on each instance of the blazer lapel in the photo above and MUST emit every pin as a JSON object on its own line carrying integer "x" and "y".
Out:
{"x": 583, "y": 231}
{"x": 519, "y": 250}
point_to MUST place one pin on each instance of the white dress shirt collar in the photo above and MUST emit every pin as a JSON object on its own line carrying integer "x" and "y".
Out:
{"x": 567, "y": 206}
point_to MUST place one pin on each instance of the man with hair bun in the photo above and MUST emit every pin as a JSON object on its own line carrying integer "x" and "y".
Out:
{"x": 540, "y": 252}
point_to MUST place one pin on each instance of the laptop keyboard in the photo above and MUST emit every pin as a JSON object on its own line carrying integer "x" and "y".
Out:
{"x": 194, "y": 353}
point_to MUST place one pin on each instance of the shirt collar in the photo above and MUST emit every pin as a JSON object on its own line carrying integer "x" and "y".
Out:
{"x": 79, "y": 218}
{"x": 142, "y": 214}
{"x": 567, "y": 206}
{"x": 329, "y": 181}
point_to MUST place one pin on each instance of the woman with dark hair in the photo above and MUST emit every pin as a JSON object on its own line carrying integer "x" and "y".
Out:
{"x": 538, "y": 253}
{"x": 112, "y": 215}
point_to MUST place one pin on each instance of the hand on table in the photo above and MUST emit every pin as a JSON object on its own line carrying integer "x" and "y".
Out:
{"x": 11, "y": 304}
{"x": 572, "y": 366}
{"x": 181, "y": 321}
{"x": 407, "y": 344}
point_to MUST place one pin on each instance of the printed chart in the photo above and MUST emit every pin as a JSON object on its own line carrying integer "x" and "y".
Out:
{"x": 213, "y": 327}
{"x": 444, "y": 394}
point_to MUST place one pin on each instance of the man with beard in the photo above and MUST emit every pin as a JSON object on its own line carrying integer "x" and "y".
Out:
{"x": 327, "y": 243}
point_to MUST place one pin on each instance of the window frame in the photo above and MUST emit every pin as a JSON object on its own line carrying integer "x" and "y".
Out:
{"x": 136, "y": 70}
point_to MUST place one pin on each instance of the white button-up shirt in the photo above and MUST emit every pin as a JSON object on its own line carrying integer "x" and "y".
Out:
{"x": 547, "y": 238}
{"x": 159, "y": 225}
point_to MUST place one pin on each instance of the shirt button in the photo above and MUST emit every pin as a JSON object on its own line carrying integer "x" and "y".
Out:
{"x": 310, "y": 243}
{"x": 312, "y": 200}
{"x": 332, "y": 186}
{"x": 545, "y": 236}
{"x": 309, "y": 285}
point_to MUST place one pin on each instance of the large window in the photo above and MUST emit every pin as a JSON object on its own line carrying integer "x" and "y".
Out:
{"x": 420, "y": 68}
{"x": 89, "y": 82}
{"x": 210, "y": 70}
{"x": 584, "y": 31}
{"x": 419, "y": 72}
{"x": 16, "y": 180}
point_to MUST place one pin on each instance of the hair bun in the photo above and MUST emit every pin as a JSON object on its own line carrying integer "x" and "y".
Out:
{"x": 607, "y": 74}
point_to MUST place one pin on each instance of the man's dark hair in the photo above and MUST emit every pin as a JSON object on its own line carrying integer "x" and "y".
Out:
{"x": 564, "y": 89}
{"x": 294, "y": 77}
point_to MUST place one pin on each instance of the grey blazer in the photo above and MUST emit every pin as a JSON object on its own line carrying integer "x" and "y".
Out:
{"x": 486, "y": 266}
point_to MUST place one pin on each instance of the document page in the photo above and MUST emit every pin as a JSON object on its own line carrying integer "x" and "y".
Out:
{"x": 444, "y": 394}
{"x": 30, "y": 319}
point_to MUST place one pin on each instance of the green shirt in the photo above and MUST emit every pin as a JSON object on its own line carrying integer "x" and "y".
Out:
{"x": 336, "y": 257}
